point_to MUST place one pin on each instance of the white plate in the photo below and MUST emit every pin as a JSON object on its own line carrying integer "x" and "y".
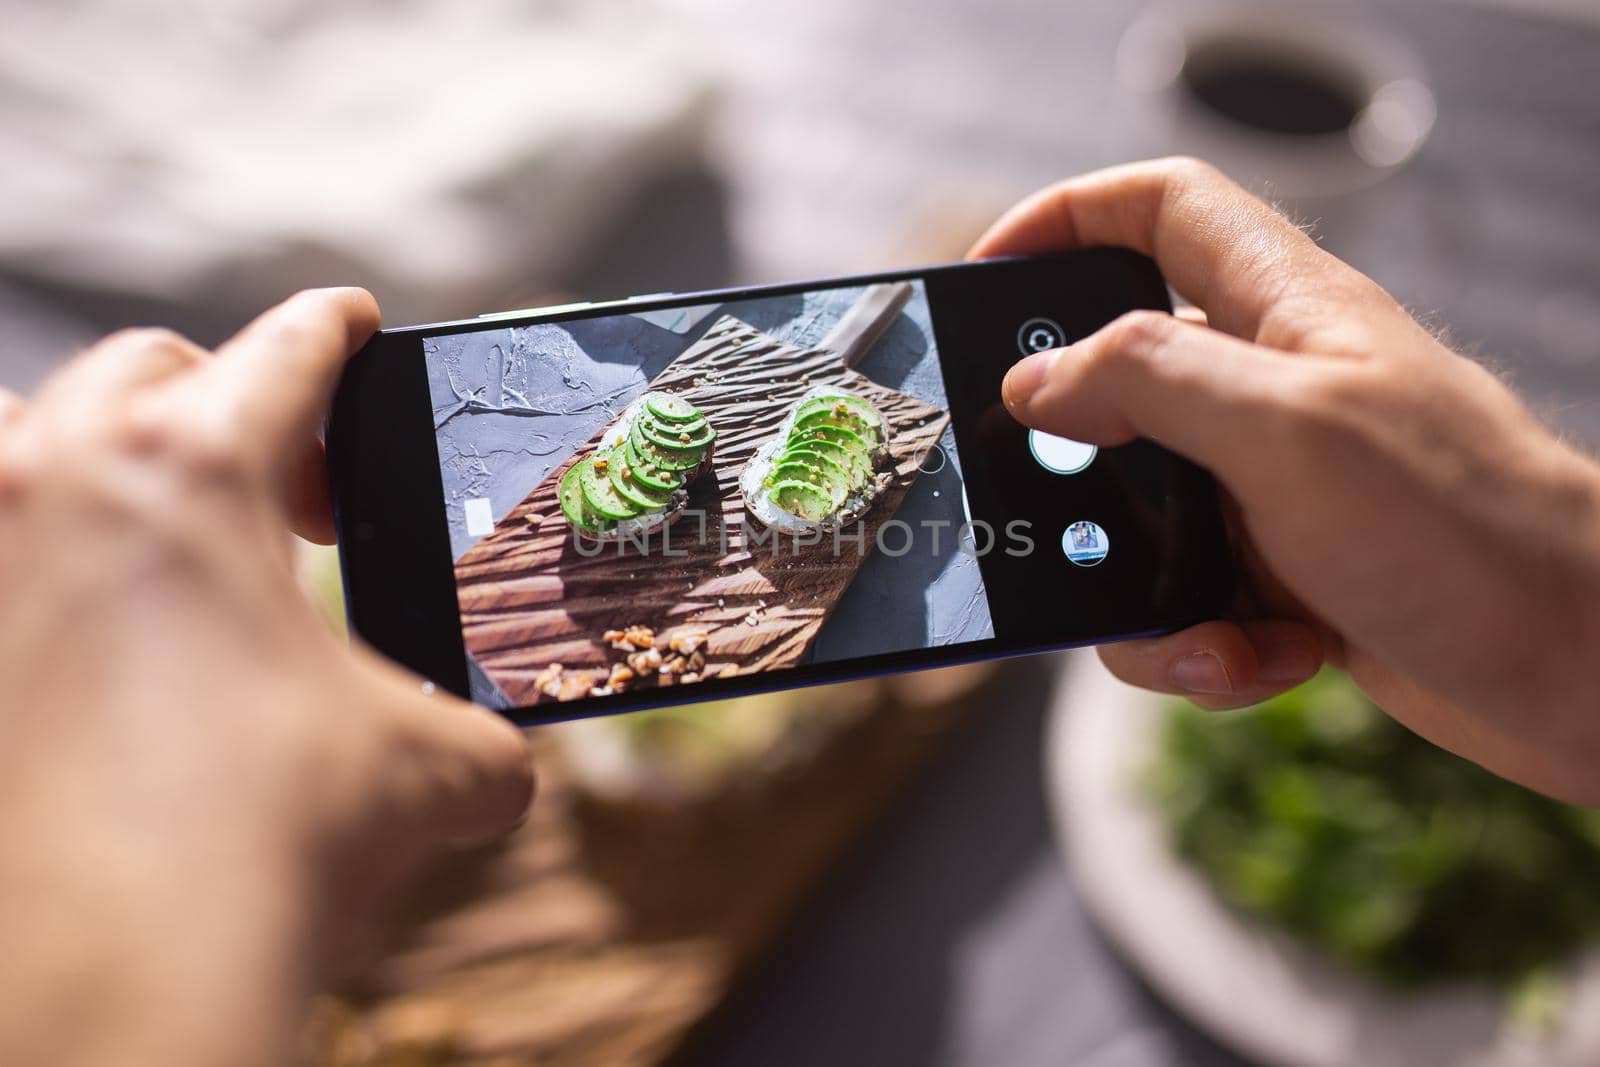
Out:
{"x": 1252, "y": 988}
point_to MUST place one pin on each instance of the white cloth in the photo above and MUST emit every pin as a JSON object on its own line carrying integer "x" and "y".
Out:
{"x": 448, "y": 155}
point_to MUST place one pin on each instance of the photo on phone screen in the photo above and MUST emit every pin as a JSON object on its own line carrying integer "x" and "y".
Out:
{"x": 667, "y": 499}
{"x": 854, "y": 543}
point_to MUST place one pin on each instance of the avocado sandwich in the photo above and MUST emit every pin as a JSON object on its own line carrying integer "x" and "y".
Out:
{"x": 820, "y": 470}
{"x": 635, "y": 480}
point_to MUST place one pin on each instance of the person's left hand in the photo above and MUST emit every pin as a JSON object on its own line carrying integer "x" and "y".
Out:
{"x": 205, "y": 794}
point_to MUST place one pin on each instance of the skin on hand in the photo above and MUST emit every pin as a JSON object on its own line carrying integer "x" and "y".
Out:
{"x": 206, "y": 796}
{"x": 1396, "y": 510}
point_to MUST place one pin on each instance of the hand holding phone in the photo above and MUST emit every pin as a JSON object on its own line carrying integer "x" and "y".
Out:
{"x": 1398, "y": 511}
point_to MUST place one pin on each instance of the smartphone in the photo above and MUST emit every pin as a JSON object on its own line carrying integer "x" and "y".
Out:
{"x": 602, "y": 507}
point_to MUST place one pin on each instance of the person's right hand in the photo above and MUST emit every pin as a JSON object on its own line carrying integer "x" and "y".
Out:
{"x": 1396, "y": 510}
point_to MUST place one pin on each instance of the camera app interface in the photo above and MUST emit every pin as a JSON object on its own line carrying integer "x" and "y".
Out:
{"x": 664, "y": 497}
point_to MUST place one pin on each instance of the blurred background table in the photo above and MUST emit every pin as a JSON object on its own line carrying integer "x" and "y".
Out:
{"x": 850, "y": 136}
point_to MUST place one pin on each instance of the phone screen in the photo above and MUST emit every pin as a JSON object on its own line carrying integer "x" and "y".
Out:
{"x": 673, "y": 499}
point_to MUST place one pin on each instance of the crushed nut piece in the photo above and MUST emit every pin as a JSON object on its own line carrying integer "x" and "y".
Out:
{"x": 575, "y": 686}
{"x": 600, "y": 464}
{"x": 640, "y": 636}
{"x": 645, "y": 663}
{"x": 549, "y": 680}
{"x": 621, "y": 675}
{"x": 673, "y": 666}
{"x": 611, "y": 636}
{"x": 686, "y": 642}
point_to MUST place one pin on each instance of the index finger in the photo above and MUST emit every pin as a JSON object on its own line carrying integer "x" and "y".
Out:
{"x": 1220, "y": 247}
{"x": 279, "y": 371}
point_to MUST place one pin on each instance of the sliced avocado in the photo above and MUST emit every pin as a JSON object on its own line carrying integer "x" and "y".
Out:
{"x": 676, "y": 435}
{"x": 851, "y": 421}
{"x": 836, "y": 437}
{"x": 850, "y": 456}
{"x": 863, "y": 442}
{"x": 803, "y": 499}
{"x": 814, "y": 404}
{"x": 598, "y": 494}
{"x": 842, "y": 405}
{"x": 828, "y": 466}
{"x": 628, "y": 487}
{"x": 866, "y": 410}
{"x": 647, "y": 473}
{"x": 665, "y": 459}
{"x": 572, "y": 505}
{"x": 670, "y": 408}
{"x": 797, "y": 470}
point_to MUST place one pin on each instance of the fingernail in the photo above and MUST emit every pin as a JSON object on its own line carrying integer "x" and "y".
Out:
{"x": 1285, "y": 662}
{"x": 1201, "y": 672}
{"x": 1025, "y": 378}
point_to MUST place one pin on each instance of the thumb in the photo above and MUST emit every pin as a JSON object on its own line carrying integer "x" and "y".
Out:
{"x": 1149, "y": 374}
{"x": 464, "y": 776}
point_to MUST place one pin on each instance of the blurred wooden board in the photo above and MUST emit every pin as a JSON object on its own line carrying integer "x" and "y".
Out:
{"x": 529, "y": 597}
{"x": 603, "y": 934}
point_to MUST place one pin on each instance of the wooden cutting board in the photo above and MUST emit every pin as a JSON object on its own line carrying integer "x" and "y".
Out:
{"x": 530, "y": 598}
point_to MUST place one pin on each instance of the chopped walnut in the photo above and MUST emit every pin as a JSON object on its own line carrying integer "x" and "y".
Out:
{"x": 686, "y": 643}
{"x": 621, "y": 676}
{"x": 645, "y": 663}
{"x": 549, "y": 680}
{"x": 575, "y": 686}
{"x": 611, "y": 637}
{"x": 600, "y": 464}
{"x": 673, "y": 666}
{"x": 640, "y": 637}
